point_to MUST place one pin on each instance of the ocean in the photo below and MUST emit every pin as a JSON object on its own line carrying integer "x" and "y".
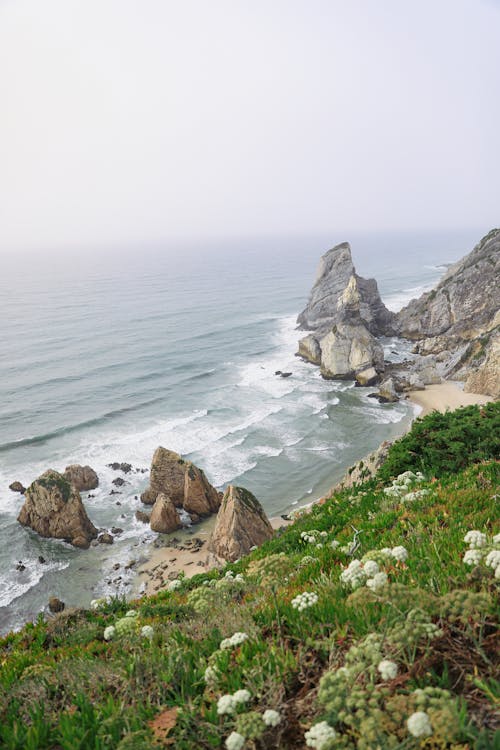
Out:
{"x": 106, "y": 357}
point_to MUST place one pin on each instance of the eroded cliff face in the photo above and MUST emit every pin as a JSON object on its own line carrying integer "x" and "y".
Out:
{"x": 465, "y": 301}
{"x": 459, "y": 320}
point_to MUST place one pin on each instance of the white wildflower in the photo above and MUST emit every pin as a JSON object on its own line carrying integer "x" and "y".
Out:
{"x": 354, "y": 575}
{"x": 497, "y": 572}
{"x": 235, "y": 741}
{"x": 386, "y": 551}
{"x": 371, "y": 568}
{"x": 475, "y": 539}
{"x": 305, "y": 600}
{"x": 319, "y": 545}
{"x": 131, "y": 613}
{"x": 496, "y": 539}
{"x": 271, "y": 718}
{"x": 419, "y": 724}
{"x": 493, "y": 558}
{"x": 147, "y": 632}
{"x": 377, "y": 582}
{"x": 175, "y": 584}
{"x": 226, "y": 705}
{"x": 97, "y": 603}
{"x": 388, "y": 669}
{"x": 319, "y": 735}
{"x": 400, "y": 553}
{"x": 334, "y": 544}
{"x": 241, "y": 696}
{"x": 109, "y": 633}
{"x": 473, "y": 557}
{"x": 211, "y": 675}
{"x": 235, "y": 640}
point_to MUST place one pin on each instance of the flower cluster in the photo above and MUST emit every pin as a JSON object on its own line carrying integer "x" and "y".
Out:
{"x": 359, "y": 573}
{"x": 235, "y": 741}
{"x": 419, "y": 724}
{"x": 227, "y": 704}
{"x": 175, "y": 584}
{"x": 235, "y": 640}
{"x": 271, "y": 718}
{"x": 305, "y": 600}
{"x": 400, "y": 485}
{"x": 388, "y": 669}
{"x": 313, "y": 536}
{"x": 319, "y": 735}
{"x": 126, "y": 625}
{"x": 250, "y": 725}
{"x": 483, "y": 551}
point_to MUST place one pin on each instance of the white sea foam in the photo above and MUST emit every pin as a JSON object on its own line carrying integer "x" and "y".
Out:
{"x": 12, "y": 587}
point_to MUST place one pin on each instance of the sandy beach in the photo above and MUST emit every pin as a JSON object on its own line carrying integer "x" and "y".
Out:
{"x": 185, "y": 551}
{"x": 445, "y": 396}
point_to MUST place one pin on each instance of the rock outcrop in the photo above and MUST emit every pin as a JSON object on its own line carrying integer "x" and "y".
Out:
{"x": 241, "y": 524}
{"x": 81, "y": 477}
{"x": 164, "y": 516}
{"x": 17, "y": 487}
{"x": 53, "y": 508}
{"x": 459, "y": 320}
{"x": 348, "y": 350}
{"x": 335, "y": 272}
{"x": 183, "y": 482}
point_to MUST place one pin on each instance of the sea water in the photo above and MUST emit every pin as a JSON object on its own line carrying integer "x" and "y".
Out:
{"x": 108, "y": 355}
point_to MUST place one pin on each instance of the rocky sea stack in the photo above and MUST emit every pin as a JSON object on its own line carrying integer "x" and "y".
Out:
{"x": 345, "y": 314}
{"x": 241, "y": 525}
{"x": 53, "y": 508}
{"x": 184, "y": 483}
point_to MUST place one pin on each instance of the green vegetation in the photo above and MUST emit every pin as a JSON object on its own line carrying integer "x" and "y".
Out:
{"x": 371, "y": 622}
{"x": 53, "y": 480}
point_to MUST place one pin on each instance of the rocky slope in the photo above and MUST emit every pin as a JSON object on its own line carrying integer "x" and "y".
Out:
{"x": 459, "y": 321}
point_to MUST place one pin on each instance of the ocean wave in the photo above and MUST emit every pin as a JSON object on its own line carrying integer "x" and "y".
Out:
{"x": 11, "y": 589}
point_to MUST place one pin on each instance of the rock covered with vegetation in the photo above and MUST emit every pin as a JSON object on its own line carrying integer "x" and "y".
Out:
{"x": 241, "y": 525}
{"x": 183, "y": 482}
{"x": 53, "y": 508}
{"x": 370, "y": 622}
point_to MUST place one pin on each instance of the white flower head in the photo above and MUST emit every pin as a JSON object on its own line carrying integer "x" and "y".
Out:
{"x": 305, "y": 600}
{"x": 496, "y": 539}
{"x": 400, "y": 553}
{"x": 131, "y": 613}
{"x": 271, "y": 718}
{"x": 334, "y": 544}
{"x": 475, "y": 539}
{"x": 242, "y": 696}
{"x": 319, "y": 735}
{"x": 211, "y": 675}
{"x": 371, "y": 568}
{"x": 174, "y": 585}
{"x": 378, "y": 581}
{"x": 226, "y": 705}
{"x": 235, "y": 640}
{"x": 388, "y": 669}
{"x": 473, "y": 557}
{"x": 147, "y": 632}
{"x": 493, "y": 558}
{"x": 419, "y": 724}
{"x": 235, "y": 741}
{"x": 109, "y": 633}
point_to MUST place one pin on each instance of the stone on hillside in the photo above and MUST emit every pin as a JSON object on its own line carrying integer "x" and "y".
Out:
{"x": 183, "y": 482}
{"x": 56, "y": 605}
{"x": 81, "y": 477}
{"x": 164, "y": 516}
{"x": 241, "y": 524}
{"x": 17, "y": 487}
{"x": 53, "y": 508}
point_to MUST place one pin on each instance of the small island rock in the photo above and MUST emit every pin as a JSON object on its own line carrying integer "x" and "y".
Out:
{"x": 81, "y": 477}
{"x": 17, "y": 487}
{"x": 53, "y": 508}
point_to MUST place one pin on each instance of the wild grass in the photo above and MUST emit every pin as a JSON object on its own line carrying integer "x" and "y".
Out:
{"x": 435, "y": 619}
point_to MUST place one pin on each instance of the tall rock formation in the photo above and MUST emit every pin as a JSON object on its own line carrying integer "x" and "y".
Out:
{"x": 53, "y": 508}
{"x": 183, "y": 482}
{"x": 241, "y": 524}
{"x": 346, "y": 314}
{"x": 81, "y": 477}
{"x": 334, "y": 274}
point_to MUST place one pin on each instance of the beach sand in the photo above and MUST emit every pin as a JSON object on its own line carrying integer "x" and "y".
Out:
{"x": 443, "y": 397}
{"x": 185, "y": 551}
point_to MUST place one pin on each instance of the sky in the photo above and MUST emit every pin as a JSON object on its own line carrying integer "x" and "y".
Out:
{"x": 136, "y": 121}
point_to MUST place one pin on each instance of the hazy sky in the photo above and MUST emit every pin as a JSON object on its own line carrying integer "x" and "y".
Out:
{"x": 143, "y": 120}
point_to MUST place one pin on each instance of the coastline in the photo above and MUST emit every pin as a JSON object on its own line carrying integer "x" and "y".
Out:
{"x": 443, "y": 397}
{"x": 185, "y": 552}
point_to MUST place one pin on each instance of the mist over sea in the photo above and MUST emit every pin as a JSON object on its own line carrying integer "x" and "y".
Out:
{"x": 107, "y": 357}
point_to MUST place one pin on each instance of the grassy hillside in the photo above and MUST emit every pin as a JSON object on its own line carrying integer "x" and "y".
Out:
{"x": 361, "y": 626}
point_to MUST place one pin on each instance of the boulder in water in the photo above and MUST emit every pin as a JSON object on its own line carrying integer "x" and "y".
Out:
{"x": 81, "y": 477}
